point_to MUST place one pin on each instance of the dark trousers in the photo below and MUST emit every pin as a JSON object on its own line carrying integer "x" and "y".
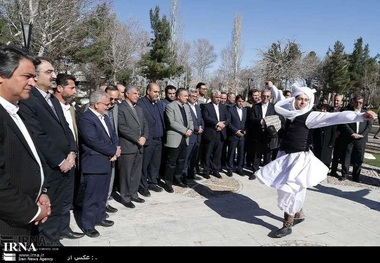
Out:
{"x": 191, "y": 160}
{"x": 64, "y": 226}
{"x": 151, "y": 163}
{"x": 354, "y": 154}
{"x": 224, "y": 156}
{"x": 130, "y": 170}
{"x": 236, "y": 146}
{"x": 213, "y": 152}
{"x": 95, "y": 199}
{"x": 49, "y": 231}
{"x": 337, "y": 155}
{"x": 260, "y": 151}
{"x": 175, "y": 163}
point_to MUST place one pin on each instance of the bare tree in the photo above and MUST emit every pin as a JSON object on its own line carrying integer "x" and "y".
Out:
{"x": 281, "y": 63}
{"x": 231, "y": 57}
{"x": 127, "y": 44}
{"x": 54, "y": 21}
{"x": 203, "y": 58}
{"x": 310, "y": 69}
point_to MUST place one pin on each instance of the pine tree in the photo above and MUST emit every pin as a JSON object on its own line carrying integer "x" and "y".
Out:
{"x": 160, "y": 62}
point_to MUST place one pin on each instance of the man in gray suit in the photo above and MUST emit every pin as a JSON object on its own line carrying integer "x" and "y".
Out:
{"x": 179, "y": 127}
{"x": 133, "y": 133}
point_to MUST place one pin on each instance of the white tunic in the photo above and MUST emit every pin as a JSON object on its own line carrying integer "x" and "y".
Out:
{"x": 292, "y": 173}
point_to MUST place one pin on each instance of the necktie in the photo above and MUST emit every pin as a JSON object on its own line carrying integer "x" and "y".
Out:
{"x": 135, "y": 113}
{"x": 73, "y": 117}
{"x": 110, "y": 115}
{"x": 182, "y": 109}
{"x": 48, "y": 100}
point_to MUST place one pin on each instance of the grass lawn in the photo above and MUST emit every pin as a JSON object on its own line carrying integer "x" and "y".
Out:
{"x": 375, "y": 162}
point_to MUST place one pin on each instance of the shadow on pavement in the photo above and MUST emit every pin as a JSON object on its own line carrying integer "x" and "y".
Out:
{"x": 236, "y": 206}
{"x": 357, "y": 196}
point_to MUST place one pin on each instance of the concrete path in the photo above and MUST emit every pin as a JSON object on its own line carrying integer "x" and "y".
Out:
{"x": 239, "y": 212}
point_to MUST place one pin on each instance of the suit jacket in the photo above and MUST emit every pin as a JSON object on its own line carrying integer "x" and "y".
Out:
{"x": 97, "y": 147}
{"x": 115, "y": 118}
{"x": 197, "y": 122}
{"x": 145, "y": 104}
{"x": 20, "y": 179}
{"x": 235, "y": 123}
{"x": 174, "y": 122}
{"x": 52, "y": 134}
{"x": 131, "y": 128}
{"x": 210, "y": 120}
{"x": 348, "y": 129}
{"x": 254, "y": 120}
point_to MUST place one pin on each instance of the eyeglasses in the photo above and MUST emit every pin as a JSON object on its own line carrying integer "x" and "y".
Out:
{"x": 49, "y": 72}
{"x": 114, "y": 99}
{"x": 358, "y": 102}
{"x": 105, "y": 104}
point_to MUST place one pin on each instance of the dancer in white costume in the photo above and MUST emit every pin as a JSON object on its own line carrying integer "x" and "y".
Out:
{"x": 296, "y": 168}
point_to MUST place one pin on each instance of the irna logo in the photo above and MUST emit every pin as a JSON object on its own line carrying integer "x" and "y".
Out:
{"x": 18, "y": 247}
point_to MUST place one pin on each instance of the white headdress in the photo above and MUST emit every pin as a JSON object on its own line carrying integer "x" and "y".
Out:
{"x": 286, "y": 107}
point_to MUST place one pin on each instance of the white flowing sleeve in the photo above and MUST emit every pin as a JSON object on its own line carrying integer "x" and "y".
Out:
{"x": 277, "y": 94}
{"x": 317, "y": 119}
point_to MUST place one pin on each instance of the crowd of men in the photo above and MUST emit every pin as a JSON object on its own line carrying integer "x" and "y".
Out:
{"x": 57, "y": 156}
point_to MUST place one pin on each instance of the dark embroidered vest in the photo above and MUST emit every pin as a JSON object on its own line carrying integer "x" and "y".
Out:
{"x": 297, "y": 137}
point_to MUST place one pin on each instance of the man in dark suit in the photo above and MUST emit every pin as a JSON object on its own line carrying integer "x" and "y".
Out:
{"x": 65, "y": 92}
{"x": 338, "y": 145}
{"x": 355, "y": 137}
{"x": 216, "y": 119}
{"x": 133, "y": 132}
{"x": 236, "y": 134}
{"x": 100, "y": 147}
{"x": 256, "y": 122}
{"x": 154, "y": 115}
{"x": 191, "y": 160}
{"x": 24, "y": 200}
{"x": 43, "y": 113}
{"x": 112, "y": 113}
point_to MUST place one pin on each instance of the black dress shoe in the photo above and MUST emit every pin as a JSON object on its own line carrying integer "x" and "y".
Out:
{"x": 144, "y": 192}
{"x": 91, "y": 232}
{"x": 180, "y": 184}
{"x": 111, "y": 209}
{"x": 71, "y": 235}
{"x": 206, "y": 175}
{"x": 195, "y": 177}
{"x": 342, "y": 178}
{"x": 169, "y": 189}
{"x": 217, "y": 174}
{"x": 240, "y": 172}
{"x": 252, "y": 177}
{"x": 129, "y": 204}
{"x": 138, "y": 200}
{"x": 105, "y": 223}
{"x": 229, "y": 173}
{"x": 155, "y": 188}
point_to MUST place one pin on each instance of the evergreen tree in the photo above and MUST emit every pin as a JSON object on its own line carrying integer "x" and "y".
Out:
{"x": 335, "y": 70}
{"x": 160, "y": 62}
{"x": 361, "y": 64}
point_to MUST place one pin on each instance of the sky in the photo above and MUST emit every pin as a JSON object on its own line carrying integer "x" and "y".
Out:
{"x": 313, "y": 24}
